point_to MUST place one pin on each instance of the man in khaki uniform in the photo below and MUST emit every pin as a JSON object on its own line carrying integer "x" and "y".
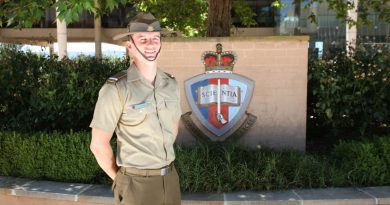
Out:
{"x": 142, "y": 106}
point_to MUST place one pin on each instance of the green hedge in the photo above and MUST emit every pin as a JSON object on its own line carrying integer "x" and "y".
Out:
{"x": 350, "y": 91}
{"x": 55, "y": 156}
{"x": 209, "y": 167}
{"x": 38, "y": 93}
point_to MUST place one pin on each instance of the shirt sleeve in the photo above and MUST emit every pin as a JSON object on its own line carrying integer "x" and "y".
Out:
{"x": 108, "y": 109}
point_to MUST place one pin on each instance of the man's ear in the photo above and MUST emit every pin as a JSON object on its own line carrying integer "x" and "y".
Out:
{"x": 128, "y": 44}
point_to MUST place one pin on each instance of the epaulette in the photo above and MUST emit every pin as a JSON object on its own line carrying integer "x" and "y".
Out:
{"x": 115, "y": 78}
{"x": 170, "y": 75}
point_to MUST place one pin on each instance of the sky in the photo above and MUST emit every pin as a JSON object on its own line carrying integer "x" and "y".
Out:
{"x": 75, "y": 49}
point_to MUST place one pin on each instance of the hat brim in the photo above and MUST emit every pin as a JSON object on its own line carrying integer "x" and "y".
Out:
{"x": 123, "y": 35}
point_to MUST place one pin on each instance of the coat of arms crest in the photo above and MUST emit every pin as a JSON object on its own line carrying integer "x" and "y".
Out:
{"x": 219, "y": 98}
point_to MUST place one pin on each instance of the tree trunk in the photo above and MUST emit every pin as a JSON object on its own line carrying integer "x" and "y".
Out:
{"x": 98, "y": 33}
{"x": 351, "y": 31}
{"x": 62, "y": 39}
{"x": 218, "y": 21}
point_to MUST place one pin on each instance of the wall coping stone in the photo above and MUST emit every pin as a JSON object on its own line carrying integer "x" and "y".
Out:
{"x": 237, "y": 38}
{"x": 102, "y": 194}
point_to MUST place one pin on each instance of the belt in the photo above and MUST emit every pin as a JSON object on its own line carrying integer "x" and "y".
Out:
{"x": 147, "y": 172}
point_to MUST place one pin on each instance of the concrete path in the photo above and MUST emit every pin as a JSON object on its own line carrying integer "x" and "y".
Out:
{"x": 19, "y": 191}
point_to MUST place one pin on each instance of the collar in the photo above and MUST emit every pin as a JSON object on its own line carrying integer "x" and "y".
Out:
{"x": 133, "y": 74}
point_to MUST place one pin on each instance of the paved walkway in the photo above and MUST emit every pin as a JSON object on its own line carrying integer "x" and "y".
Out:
{"x": 15, "y": 191}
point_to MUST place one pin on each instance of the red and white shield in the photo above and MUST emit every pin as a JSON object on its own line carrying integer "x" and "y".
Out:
{"x": 219, "y": 99}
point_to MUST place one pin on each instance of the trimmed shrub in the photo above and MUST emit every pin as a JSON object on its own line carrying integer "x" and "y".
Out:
{"x": 350, "y": 92}
{"x": 42, "y": 94}
{"x": 54, "y": 156}
{"x": 39, "y": 93}
{"x": 211, "y": 167}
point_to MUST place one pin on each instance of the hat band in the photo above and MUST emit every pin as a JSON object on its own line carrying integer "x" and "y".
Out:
{"x": 143, "y": 27}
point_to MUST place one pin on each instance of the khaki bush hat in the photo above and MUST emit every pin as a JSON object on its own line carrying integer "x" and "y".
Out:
{"x": 142, "y": 22}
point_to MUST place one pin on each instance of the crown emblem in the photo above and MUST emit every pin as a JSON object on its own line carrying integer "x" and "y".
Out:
{"x": 219, "y": 61}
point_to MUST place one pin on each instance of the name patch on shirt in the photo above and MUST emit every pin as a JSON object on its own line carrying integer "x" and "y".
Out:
{"x": 139, "y": 105}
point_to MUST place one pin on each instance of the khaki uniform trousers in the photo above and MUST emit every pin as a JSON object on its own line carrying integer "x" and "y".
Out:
{"x": 141, "y": 188}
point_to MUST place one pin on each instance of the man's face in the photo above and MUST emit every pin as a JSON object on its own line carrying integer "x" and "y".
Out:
{"x": 148, "y": 43}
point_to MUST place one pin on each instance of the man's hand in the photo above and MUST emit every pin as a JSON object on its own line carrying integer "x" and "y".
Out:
{"x": 101, "y": 149}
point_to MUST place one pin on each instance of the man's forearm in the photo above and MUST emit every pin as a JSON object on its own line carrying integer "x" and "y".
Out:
{"x": 106, "y": 160}
{"x": 101, "y": 149}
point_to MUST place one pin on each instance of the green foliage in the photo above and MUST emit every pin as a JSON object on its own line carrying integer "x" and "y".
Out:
{"x": 351, "y": 92}
{"x": 55, "y": 156}
{"x": 39, "y": 93}
{"x": 185, "y": 16}
{"x": 211, "y": 167}
{"x": 364, "y": 163}
{"x": 380, "y": 6}
{"x": 277, "y": 4}
{"x": 188, "y": 17}
{"x": 22, "y": 13}
{"x": 246, "y": 14}
{"x": 69, "y": 10}
{"x": 226, "y": 167}
{"x": 341, "y": 7}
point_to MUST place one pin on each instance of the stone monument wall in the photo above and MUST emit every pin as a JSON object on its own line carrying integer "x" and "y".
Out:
{"x": 277, "y": 64}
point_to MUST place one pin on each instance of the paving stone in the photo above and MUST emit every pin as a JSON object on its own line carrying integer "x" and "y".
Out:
{"x": 268, "y": 197}
{"x": 52, "y": 190}
{"x": 382, "y": 194}
{"x": 97, "y": 194}
{"x": 334, "y": 196}
{"x": 8, "y": 185}
{"x": 85, "y": 194}
{"x": 202, "y": 199}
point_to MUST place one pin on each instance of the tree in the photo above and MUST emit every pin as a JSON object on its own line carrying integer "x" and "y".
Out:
{"x": 23, "y": 13}
{"x": 341, "y": 7}
{"x": 187, "y": 16}
{"x": 198, "y": 17}
{"x": 218, "y": 21}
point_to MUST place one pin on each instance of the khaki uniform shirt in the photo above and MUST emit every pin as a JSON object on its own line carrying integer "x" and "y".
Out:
{"x": 143, "y": 116}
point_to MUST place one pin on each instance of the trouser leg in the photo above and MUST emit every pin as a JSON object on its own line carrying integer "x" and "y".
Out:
{"x": 147, "y": 190}
{"x": 172, "y": 189}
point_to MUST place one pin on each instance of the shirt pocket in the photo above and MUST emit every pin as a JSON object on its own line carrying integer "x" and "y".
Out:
{"x": 135, "y": 114}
